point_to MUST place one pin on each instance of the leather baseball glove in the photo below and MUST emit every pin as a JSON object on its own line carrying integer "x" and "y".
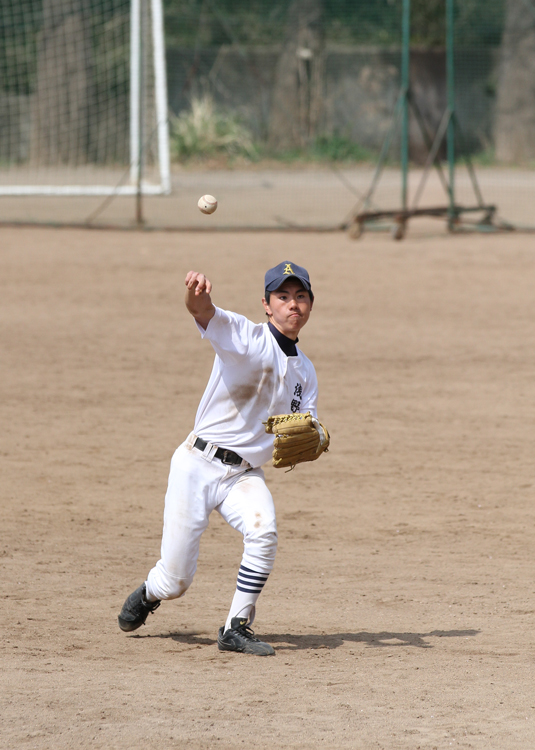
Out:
{"x": 298, "y": 437}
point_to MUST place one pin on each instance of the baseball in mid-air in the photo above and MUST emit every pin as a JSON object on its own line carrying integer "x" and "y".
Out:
{"x": 207, "y": 204}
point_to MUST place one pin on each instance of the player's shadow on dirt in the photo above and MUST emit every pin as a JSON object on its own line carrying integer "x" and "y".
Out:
{"x": 372, "y": 640}
{"x": 191, "y": 638}
{"x": 292, "y": 642}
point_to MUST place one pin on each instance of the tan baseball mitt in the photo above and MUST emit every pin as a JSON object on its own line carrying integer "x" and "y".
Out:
{"x": 298, "y": 437}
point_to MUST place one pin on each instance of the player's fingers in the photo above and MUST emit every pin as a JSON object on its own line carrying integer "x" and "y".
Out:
{"x": 204, "y": 284}
{"x": 199, "y": 282}
{"x": 194, "y": 279}
{"x": 201, "y": 285}
{"x": 190, "y": 276}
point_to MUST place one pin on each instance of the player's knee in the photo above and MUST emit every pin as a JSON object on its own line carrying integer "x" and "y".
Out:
{"x": 269, "y": 545}
{"x": 263, "y": 545}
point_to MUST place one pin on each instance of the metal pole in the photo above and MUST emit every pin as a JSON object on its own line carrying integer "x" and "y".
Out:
{"x": 141, "y": 113}
{"x": 405, "y": 60}
{"x": 134, "y": 91}
{"x": 450, "y": 83}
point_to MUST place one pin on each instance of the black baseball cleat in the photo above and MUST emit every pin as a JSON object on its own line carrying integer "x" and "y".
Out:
{"x": 242, "y": 639}
{"x": 136, "y": 609}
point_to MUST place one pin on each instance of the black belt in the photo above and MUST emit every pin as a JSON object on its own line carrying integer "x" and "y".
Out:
{"x": 224, "y": 455}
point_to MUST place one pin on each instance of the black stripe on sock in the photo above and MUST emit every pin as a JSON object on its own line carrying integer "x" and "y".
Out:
{"x": 248, "y": 576}
{"x": 250, "y": 581}
{"x": 250, "y": 570}
{"x": 250, "y": 585}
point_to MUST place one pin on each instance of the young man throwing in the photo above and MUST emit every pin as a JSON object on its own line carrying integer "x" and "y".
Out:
{"x": 258, "y": 372}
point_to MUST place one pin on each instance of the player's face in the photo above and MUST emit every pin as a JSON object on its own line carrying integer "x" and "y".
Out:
{"x": 289, "y": 308}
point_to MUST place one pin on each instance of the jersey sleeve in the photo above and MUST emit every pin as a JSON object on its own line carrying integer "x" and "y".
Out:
{"x": 230, "y": 335}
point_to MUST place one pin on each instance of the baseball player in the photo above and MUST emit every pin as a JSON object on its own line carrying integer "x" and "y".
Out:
{"x": 258, "y": 371}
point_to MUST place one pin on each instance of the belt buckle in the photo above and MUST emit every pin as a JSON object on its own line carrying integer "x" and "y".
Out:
{"x": 225, "y": 458}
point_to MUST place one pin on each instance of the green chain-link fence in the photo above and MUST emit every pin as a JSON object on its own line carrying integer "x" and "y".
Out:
{"x": 280, "y": 108}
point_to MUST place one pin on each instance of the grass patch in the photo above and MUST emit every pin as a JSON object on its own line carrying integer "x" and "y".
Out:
{"x": 485, "y": 158}
{"x": 324, "y": 148}
{"x": 205, "y": 131}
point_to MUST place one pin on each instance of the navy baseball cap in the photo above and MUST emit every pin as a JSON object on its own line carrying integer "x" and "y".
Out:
{"x": 275, "y": 277}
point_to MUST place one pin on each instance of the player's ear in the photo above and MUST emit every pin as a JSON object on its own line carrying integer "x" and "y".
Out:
{"x": 267, "y": 308}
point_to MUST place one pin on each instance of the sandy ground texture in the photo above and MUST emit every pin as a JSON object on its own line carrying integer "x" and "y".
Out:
{"x": 402, "y": 601}
{"x": 269, "y": 196}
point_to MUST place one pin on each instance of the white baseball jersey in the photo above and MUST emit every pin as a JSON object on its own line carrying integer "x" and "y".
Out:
{"x": 252, "y": 379}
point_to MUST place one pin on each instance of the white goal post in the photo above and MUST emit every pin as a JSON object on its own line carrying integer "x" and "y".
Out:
{"x": 160, "y": 90}
{"x": 83, "y": 98}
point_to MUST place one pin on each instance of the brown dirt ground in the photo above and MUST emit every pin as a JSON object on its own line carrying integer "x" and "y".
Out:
{"x": 402, "y": 600}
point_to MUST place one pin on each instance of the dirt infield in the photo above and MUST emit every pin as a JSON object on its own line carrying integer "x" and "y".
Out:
{"x": 263, "y": 195}
{"x": 402, "y": 600}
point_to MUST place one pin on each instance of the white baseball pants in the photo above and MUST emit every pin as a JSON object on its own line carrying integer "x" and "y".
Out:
{"x": 198, "y": 484}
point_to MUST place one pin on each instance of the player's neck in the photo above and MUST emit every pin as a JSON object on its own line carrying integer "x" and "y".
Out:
{"x": 291, "y": 335}
{"x": 287, "y": 345}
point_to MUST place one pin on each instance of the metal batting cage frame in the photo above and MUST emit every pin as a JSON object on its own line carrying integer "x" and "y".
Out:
{"x": 449, "y": 131}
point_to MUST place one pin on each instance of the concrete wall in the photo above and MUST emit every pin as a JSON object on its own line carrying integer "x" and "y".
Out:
{"x": 361, "y": 86}
{"x": 15, "y": 128}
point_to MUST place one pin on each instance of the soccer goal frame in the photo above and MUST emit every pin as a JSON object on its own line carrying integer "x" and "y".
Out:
{"x": 134, "y": 181}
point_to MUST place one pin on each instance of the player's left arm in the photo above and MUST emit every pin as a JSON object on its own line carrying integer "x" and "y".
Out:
{"x": 310, "y": 404}
{"x": 309, "y": 400}
{"x": 198, "y": 300}
{"x": 299, "y": 436}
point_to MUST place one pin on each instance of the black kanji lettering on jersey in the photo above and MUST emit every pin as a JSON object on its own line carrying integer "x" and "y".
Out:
{"x": 298, "y": 390}
{"x": 295, "y": 405}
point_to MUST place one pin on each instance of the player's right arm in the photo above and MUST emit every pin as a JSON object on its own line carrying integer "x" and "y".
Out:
{"x": 198, "y": 300}
{"x": 228, "y": 332}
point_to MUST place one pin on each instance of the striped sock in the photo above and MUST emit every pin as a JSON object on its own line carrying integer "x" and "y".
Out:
{"x": 250, "y": 581}
{"x": 248, "y": 588}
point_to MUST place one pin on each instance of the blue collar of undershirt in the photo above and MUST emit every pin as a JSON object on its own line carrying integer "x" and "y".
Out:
{"x": 287, "y": 345}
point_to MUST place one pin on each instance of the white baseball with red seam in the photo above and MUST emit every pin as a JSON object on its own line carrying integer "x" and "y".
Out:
{"x": 207, "y": 204}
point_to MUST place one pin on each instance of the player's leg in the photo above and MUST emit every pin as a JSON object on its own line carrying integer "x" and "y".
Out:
{"x": 249, "y": 509}
{"x": 187, "y": 508}
{"x": 188, "y": 502}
